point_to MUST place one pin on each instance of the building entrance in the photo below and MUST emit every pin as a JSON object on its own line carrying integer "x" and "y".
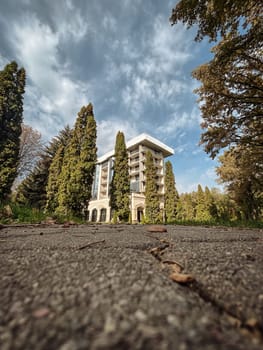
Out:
{"x": 140, "y": 214}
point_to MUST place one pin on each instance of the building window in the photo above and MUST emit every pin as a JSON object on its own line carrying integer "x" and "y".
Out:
{"x": 135, "y": 186}
{"x": 94, "y": 194}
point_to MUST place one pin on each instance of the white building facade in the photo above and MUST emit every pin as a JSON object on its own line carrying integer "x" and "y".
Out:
{"x": 99, "y": 209}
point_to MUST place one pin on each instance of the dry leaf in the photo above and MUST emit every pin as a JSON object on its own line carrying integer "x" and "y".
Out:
{"x": 156, "y": 228}
{"x": 182, "y": 278}
{"x": 175, "y": 266}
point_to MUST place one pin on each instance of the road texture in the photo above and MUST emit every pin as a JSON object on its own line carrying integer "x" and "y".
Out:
{"x": 110, "y": 287}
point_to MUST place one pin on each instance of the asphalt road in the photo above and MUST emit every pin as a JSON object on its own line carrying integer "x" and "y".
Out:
{"x": 110, "y": 287}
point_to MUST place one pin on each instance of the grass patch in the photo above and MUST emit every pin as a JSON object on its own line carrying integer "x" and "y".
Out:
{"x": 14, "y": 213}
{"x": 236, "y": 223}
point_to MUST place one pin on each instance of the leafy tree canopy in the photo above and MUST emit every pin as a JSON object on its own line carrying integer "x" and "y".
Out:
{"x": 231, "y": 93}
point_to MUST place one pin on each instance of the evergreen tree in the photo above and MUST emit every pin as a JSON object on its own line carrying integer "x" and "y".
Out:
{"x": 186, "y": 207}
{"x": 202, "y": 205}
{"x": 79, "y": 162}
{"x": 53, "y": 183}
{"x": 12, "y": 88}
{"x": 210, "y": 207}
{"x": 33, "y": 189}
{"x": 120, "y": 185}
{"x": 152, "y": 205}
{"x": 171, "y": 196}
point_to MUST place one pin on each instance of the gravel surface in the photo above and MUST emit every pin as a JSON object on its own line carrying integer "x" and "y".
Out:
{"x": 107, "y": 287}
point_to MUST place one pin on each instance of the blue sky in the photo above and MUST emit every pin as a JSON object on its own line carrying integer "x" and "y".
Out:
{"x": 121, "y": 55}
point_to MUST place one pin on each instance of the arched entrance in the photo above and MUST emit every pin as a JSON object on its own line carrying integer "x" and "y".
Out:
{"x": 94, "y": 215}
{"x": 140, "y": 214}
{"x": 103, "y": 213}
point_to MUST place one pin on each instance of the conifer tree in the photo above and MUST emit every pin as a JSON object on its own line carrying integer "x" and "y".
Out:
{"x": 202, "y": 205}
{"x": 152, "y": 204}
{"x": 171, "y": 196}
{"x": 33, "y": 189}
{"x": 53, "y": 183}
{"x": 120, "y": 185}
{"x": 186, "y": 207}
{"x": 79, "y": 162}
{"x": 12, "y": 88}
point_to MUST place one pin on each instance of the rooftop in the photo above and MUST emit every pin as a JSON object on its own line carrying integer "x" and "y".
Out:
{"x": 142, "y": 139}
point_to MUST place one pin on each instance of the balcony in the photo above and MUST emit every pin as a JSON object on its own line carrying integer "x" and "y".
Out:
{"x": 134, "y": 153}
{"x": 134, "y": 161}
{"x": 134, "y": 170}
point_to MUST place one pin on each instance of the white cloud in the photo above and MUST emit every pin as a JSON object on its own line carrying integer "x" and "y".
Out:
{"x": 3, "y": 61}
{"x": 58, "y": 97}
{"x": 107, "y": 131}
{"x": 109, "y": 23}
{"x": 181, "y": 121}
{"x": 168, "y": 49}
{"x": 76, "y": 28}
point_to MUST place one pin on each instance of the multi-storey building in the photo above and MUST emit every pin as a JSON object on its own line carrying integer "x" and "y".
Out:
{"x": 99, "y": 209}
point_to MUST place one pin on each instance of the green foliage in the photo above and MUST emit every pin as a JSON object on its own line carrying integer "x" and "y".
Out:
{"x": 32, "y": 191}
{"x": 207, "y": 207}
{"x": 171, "y": 196}
{"x": 152, "y": 202}
{"x": 21, "y": 214}
{"x": 203, "y": 203}
{"x": 186, "y": 207}
{"x": 79, "y": 162}
{"x": 53, "y": 183}
{"x": 12, "y": 88}
{"x": 243, "y": 176}
{"x": 120, "y": 185}
{"x": 231, "y": 92}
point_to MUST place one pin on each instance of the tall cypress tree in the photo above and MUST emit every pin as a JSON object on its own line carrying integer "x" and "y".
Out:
{"x": 75, "y": 181}
{"x": 152, "y": 204}
{"x": 120, "y": 185}
{"x": 12, "y": 88}
{"x": 171, "y": 196}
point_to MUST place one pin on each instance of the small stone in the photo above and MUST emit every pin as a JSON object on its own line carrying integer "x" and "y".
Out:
{"x": 173, "y": 320}
{"x": 69, "y": 345}
{"x": 110, "y": 325}
{"x": 156, "y": 228}
{"x": 140, "y": 315}
{"x": 42, "y": 312}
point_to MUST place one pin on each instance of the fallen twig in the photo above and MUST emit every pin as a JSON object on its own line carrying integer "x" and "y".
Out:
{"x": 90, "y": 244}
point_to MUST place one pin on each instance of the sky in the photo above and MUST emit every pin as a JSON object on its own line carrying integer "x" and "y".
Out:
{"x": 124, "y": 57}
